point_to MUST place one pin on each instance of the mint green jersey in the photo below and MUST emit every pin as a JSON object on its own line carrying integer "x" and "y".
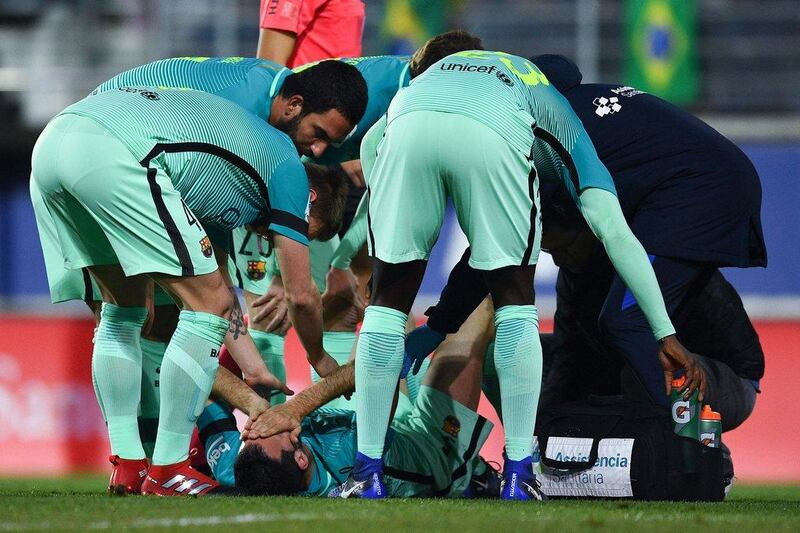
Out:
{"x": 251, "y": 83}
{"x": 430, "y": 446}
{"x": 384, "y": 75}
{"x": 510, "y": 95}
{"x": 230, "y": 167}
{"x": 331, "y": 435}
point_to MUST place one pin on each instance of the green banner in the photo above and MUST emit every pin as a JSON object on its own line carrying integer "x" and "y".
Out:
{"x": 661, "y": 48}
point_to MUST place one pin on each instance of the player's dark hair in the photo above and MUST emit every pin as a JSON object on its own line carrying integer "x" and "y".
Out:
{"x": 259, "y": 475}
{"x": 329, "y": 85}
{"x": 440, "y": 47}
{"x": 331, "y": 184}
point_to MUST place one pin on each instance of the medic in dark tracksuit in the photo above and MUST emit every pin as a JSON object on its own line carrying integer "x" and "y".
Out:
{"x": 693, "y": 200}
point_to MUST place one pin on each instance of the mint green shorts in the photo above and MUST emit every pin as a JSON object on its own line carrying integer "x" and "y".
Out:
{"x": 426, "y": 157}
{"x": 252, "y": 261}
{"x": 96, "y": 205}
{"x": 431, "y": 448}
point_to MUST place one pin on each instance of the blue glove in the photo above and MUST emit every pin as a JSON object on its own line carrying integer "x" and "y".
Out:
{"x": 419, "y": 344}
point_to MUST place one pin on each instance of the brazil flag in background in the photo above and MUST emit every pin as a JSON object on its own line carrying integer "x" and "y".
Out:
{"x": 661, "y": 48}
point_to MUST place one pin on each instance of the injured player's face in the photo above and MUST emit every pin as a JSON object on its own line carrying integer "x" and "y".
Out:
{"x": 274, "y": 466}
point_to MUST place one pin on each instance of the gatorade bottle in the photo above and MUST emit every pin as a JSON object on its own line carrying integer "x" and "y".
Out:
{"x": 685, "y": 413}
{"x": 710, "y": 427}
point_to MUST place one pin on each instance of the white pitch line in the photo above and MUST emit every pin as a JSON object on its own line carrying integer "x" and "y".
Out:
{"x": 213, "y": 520}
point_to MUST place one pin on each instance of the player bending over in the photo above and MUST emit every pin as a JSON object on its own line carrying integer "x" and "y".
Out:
{"x": 509, "y": 127}
{"x": 128, "y": 180}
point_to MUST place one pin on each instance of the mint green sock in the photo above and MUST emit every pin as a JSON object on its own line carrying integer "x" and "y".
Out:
{"x": 518, "y": 360}
{"x": 187, "y": 373}
{"x": 414, "y": 381}
{"x": 152, "y": 357}
{"x": 489, "y": 384}
{"x": 379, "y": 359}
{"x": 339, "y": 344}
{"x": 117, "y": 374}
{"x": 271, "y": 347}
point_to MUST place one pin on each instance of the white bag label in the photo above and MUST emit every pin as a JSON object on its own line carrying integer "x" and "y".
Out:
{"x": 610, "y": 477}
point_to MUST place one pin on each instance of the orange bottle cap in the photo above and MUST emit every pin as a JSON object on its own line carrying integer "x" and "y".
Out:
{"x": 678, "y": 382}
{"x": 708, "y": 414}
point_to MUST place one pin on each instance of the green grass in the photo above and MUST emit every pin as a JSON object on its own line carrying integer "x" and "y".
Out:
{"x": 78, "y": 504}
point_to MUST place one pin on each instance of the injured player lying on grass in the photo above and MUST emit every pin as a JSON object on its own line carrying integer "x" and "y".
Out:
{"x": 303, "y": 448}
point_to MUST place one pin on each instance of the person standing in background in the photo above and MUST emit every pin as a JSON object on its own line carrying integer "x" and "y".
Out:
{"x": 296, "y": 32}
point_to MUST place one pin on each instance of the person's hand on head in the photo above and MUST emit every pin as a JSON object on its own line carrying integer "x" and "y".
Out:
{"x": 272, "y": 422}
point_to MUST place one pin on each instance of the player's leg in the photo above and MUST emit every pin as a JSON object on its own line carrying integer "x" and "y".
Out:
{"x": 406, "y": 208}
{"x": 496, "y": 196}
{"x": 154, "y": 345}
{"x": 339, "y": 333}
{"x": 441, "y": 437}
{"x": 117, "y": 371}
{"x": 457, "y": 366}
{"x": 717, "y": 327}
{"x": 624, "y": 326}
{"x": 64, "y": 158}
{"x": 253, "y": 262}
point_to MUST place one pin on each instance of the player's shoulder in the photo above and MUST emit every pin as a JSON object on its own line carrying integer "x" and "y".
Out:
{"x": 219, "y": 61}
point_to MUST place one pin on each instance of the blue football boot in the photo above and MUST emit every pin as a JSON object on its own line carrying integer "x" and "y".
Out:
{"x": 519, "y": 481}
{"x": 365, "y": 481}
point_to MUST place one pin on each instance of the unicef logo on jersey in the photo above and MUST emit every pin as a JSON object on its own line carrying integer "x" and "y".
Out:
{"x": 145, "y": 93}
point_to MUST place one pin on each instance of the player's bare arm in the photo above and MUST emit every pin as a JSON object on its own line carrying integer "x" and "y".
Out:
{"x": 240, "y": 344}
{"x": 276, "y": 45}
{"x": 287, "y": 417}
{"x": 303, "y": 299}
{"x": 233, "y": 390}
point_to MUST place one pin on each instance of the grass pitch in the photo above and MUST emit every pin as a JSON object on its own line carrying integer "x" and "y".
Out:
{"x": 79, "y": 504}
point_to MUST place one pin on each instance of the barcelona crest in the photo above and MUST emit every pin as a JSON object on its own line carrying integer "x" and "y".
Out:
{"x": 256, "y": 270}
{"x": 205, "y": 246}
{"x": 452, "y": 426}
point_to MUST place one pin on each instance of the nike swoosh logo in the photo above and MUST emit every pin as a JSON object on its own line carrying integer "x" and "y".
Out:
{"x": 481, "y": 484}
{"x": 347, "y": 492}
{"x": 530, "y": 489}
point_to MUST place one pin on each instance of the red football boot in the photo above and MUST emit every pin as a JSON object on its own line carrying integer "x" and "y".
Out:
{"x": 127, "y": 476}
{"x": 178, "y": 479}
